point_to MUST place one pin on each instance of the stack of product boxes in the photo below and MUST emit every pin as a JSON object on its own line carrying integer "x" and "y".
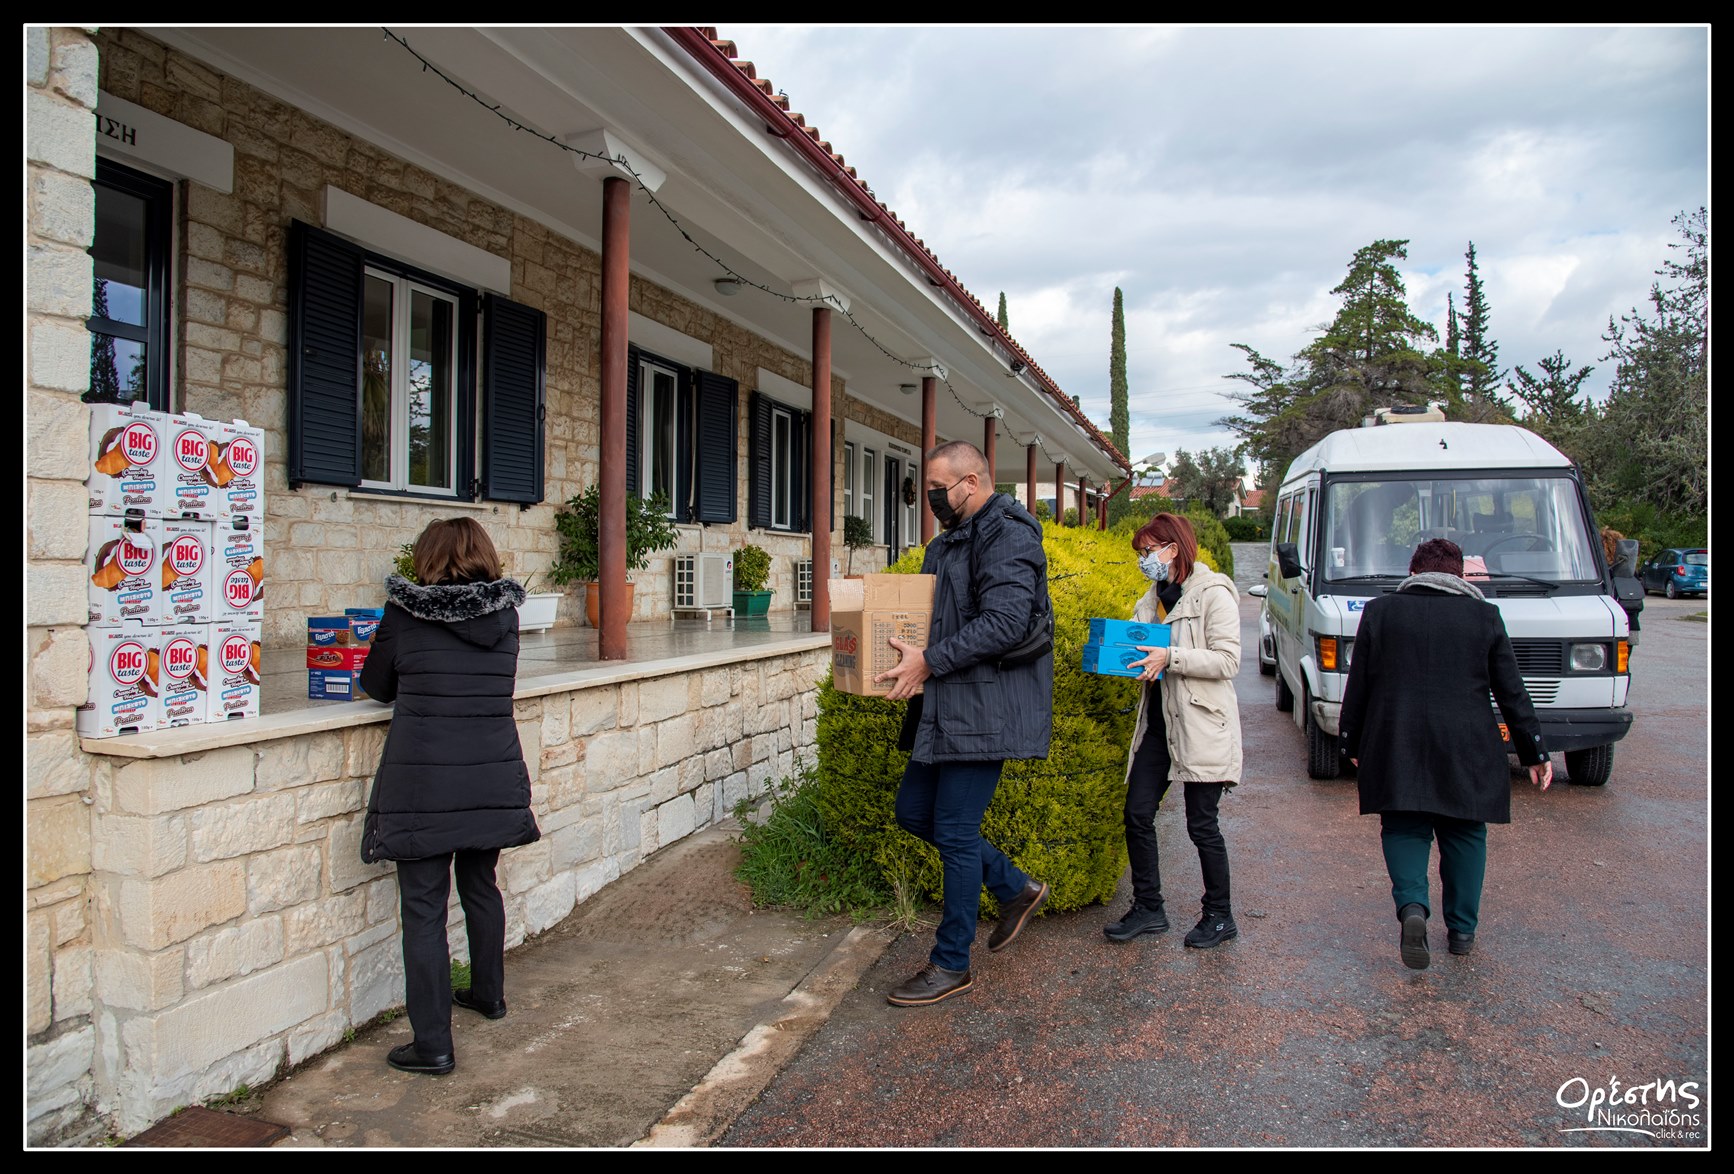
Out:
{"x": 177, "y": 569}
{"x": 337, "y": 647}
{"x": 1114, "y": 645}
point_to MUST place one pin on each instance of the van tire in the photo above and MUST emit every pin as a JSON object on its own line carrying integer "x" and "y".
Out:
{"x": 1324, "y": 760}
{"x": 1589, "y": 768}
{"x": 1284, "y": 696}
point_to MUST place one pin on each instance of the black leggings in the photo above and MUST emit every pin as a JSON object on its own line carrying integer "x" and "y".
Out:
{"x": 1144, "y": 792}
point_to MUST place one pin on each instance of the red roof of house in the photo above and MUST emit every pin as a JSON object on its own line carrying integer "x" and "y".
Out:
{"x": 988, "y": 320}
{"x": 1253, "y": 499}
{"x": 1161, "y": 490}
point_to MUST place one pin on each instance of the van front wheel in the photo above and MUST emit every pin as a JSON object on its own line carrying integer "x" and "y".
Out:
{"x": 1589, "y": 768}
{"x": 1323, "y": 759}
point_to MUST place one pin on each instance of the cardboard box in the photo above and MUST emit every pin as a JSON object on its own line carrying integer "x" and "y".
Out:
{"x": 235, "y": 660}
{"x": 364, "y": 622}
{"x": 238, "y": 470}
{"x": 189, "y": 471}
{"x": 1127, "y": 632}
{"x": 188, "y": 559}
{"x": 186, "y": 660}
{"x": 345, "y": 657}
{"x": 865, "y": 614}
{"x": 334, "y": 685}
{"x": 330, "y": 631}
{"x": 122, "y": 571}
{"x": 128, "y": 460}
{"x": 125, "y": 663}
{"x": 240, "y": 570}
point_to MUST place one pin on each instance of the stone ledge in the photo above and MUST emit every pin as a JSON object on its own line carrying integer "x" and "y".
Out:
{"x": 343, "y": 715}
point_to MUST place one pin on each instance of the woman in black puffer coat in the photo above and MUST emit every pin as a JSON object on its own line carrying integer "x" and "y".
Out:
{"x": 452, "y": 787}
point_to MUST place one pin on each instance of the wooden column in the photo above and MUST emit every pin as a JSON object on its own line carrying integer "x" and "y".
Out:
{"x": 929, "y": 438}
{"x": 1059, "y": 493}
{"x": 611, "y": 538}
{"x": 1030, "y": 474}
{"x": 1083, "y": 503}
{"x": 990, "y": 433}
{"x": 822, "y": 469}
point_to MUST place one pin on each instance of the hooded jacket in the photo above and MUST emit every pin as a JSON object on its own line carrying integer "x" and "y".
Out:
{"x": 452, "y": 775}
{"x": 1200, "y": 714}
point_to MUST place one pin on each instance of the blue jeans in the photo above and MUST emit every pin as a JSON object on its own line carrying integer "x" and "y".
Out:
{"x": 943, "y": 804}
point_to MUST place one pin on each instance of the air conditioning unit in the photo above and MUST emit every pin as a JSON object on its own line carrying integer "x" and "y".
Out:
{"x": 804, "y": 581}
{"x": 703, "y": 581}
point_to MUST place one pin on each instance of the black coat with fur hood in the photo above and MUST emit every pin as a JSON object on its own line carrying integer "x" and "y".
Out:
{"x": 452, "y": 775}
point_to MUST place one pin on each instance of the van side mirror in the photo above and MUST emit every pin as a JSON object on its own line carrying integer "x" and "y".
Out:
{"x": 1625, "y": 557}
{"x": 1288, "y": 561}
{"x": 1258, "y": 591}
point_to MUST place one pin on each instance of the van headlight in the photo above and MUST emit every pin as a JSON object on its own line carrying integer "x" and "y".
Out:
{"x": 1589, "y": 658}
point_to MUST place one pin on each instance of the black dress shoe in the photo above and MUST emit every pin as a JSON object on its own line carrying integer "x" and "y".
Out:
{"x": 1459, "y": 943}
{"x": 405, "y": 1058}
{"x": 464, "y": 997}
{"x": 1138, "y": 920}
{"x": 1413, "y": 946}
{"x": 930, "y": 984}
{"x": 1016, "y": 913}
{"x": 1212, "y": 930}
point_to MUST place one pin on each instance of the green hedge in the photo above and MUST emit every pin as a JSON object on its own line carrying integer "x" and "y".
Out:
{"x": 1059, "y": 819}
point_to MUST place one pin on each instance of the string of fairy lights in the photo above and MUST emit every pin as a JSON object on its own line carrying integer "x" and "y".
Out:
{"x": 620, "y": 161}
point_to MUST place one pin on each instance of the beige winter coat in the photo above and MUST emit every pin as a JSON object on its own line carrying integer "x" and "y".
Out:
{"x": 1198, "y": 704}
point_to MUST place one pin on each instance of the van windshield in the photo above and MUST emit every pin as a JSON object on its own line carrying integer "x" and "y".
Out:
{"x": 1527, "y": 526}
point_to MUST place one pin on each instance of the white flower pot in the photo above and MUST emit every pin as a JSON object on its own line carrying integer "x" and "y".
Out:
{"x": 536, "y": 613}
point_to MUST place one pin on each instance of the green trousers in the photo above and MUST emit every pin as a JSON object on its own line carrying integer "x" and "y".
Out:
{"x": 1407, "y": 837}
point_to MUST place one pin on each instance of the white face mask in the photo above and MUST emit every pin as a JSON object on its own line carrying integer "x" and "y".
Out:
{"x": 1153, "y": 567}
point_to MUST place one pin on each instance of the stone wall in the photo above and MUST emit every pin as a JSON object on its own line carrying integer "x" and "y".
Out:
{"x": 327, "y": 550}
{"x": 60, "y": 98}
{"x": 238, "y": 932}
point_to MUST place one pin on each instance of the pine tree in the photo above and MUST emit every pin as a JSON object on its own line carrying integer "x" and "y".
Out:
{"x": 1481, "y": 374}
{"x": 1004, "y": 322}
{"x": 1452, "y": 338}
{"x": 104, "y": 373}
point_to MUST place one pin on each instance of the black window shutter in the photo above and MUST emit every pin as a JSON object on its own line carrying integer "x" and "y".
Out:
{"x": 717, "y": 448}
{"x": 800, "y": 476}
{"x": 633, "y": 485}
{"x": 684, "y": 455}
{"x": 759, "y": 479}
{"x": 325, "y": 290}
{"x": 514, "y": 400}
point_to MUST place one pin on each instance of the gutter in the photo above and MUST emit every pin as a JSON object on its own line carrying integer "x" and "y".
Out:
{"x": 780, "y": 125}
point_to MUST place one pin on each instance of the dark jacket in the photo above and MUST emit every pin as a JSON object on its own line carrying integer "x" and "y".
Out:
{"x": 974, "y": 710}
{"x": 452, "y": 774}
{"x": 1416, "y": 711}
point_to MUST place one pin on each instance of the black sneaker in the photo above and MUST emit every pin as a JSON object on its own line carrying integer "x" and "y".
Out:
{"x": 1212, "y": 930}
{"x": 1459, "y": 943}
{"x": 1413, "y": 945}
{"x": 1138, "y": 920}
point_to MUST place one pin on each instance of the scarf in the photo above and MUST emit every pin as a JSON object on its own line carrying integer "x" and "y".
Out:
{"x": 1440, "y": 581}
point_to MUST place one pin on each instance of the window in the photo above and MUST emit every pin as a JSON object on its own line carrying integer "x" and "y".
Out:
{"x": 386, "y": 375}
{"x": 129, "y": 298}
{"x": 870, "y": 474}
{"x": 849, "y": 481}
{"x": 657, "y": 405}
{"x": 779, "y": 479}
{"x": 409, "y": 391}
{"x": 912, "y": 475}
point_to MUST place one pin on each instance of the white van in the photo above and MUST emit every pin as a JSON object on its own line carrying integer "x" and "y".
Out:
{"x": 1348, "y": 517}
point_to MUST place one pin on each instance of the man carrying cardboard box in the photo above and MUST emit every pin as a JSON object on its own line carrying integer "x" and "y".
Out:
{"x": 987, "y": 675}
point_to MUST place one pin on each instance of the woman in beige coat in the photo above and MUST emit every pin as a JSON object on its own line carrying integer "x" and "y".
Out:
{"x": 1188, "y": 728}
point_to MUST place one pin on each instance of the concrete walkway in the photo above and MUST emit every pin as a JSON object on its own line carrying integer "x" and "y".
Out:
{"x": 652, "y": 1015}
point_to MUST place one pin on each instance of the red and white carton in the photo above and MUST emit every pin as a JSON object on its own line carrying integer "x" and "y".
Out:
{"x": 128, "y": 460}
{"x": 188, "y": 571}
{"x": 123, "y": 571}
{"x": 190, "y": 470}
{"x": 125, "y": 671}
{"x": 238, "y": 583}
{"x": 183, "y": 674}
{"x": 235, "y": 659}
{"x": 238, "y": 468}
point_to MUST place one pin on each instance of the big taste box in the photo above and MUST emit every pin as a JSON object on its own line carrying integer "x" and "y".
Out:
{"x": 866, "y": 613}
{"x": 128, "y": 460}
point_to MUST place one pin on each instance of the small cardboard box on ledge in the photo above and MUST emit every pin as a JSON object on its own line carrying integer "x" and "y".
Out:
{"x": 866, "y": 613}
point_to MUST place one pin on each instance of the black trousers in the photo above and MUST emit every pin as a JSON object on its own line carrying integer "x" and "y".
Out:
{"x": 1144, "y": 792}
{"x": 424, "y": 889}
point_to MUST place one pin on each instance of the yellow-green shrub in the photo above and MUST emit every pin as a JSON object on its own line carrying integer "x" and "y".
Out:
{"x": 1059, "y": 819}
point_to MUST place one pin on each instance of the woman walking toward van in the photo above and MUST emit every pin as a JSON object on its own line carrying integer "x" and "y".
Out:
{"x": 1427, "y": 750}
{"x": 452, "y": 787}
{"x": 1188, "y": 728}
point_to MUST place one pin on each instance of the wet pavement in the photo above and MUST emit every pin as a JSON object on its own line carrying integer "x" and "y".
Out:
{"x": 1590, "y": 967}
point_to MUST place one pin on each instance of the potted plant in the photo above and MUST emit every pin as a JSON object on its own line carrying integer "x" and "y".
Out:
{"x": 535, "y": 614}
{"x": 579, "y": 525}
{"x": 857, "y": 532}
{"x": 752, "y": 572}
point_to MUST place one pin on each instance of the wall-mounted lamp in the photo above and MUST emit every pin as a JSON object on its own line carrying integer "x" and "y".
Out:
{"x": 1017, "y": 365}
{"x": 906, "y": 388}
{"x": 728, "y": 287}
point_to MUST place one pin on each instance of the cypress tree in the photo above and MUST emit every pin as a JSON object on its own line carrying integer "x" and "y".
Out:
{"x": 1004, "y": 322}
{"x": 1120, "y": 413}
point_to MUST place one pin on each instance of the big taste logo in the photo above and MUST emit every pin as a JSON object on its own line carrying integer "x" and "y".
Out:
{"x": 1663, "y": 1109}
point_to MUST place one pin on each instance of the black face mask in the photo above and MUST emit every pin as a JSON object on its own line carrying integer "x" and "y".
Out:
{"x": 939, "y": 501}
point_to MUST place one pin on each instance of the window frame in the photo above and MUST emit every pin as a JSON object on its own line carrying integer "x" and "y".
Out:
{"x": 784, "y": 451}
{"x": 159, "y": 198}
{"x": 649, "y": 366}
{"x": 404, "y": 287}
{"x": 848, "y": 478}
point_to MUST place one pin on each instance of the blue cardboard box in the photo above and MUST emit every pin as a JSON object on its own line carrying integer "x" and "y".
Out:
{"x": 334, "y": 685}
{"x": 1128, "y": 632}
{"x": 1114, "y": 660}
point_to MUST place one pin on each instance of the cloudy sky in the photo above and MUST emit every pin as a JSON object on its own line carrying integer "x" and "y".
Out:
{"x": 1223, "y": 177}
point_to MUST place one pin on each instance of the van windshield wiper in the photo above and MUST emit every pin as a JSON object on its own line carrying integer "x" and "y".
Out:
{"x": 1525, "y": 578}
{"x": 1368, "y": 578}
